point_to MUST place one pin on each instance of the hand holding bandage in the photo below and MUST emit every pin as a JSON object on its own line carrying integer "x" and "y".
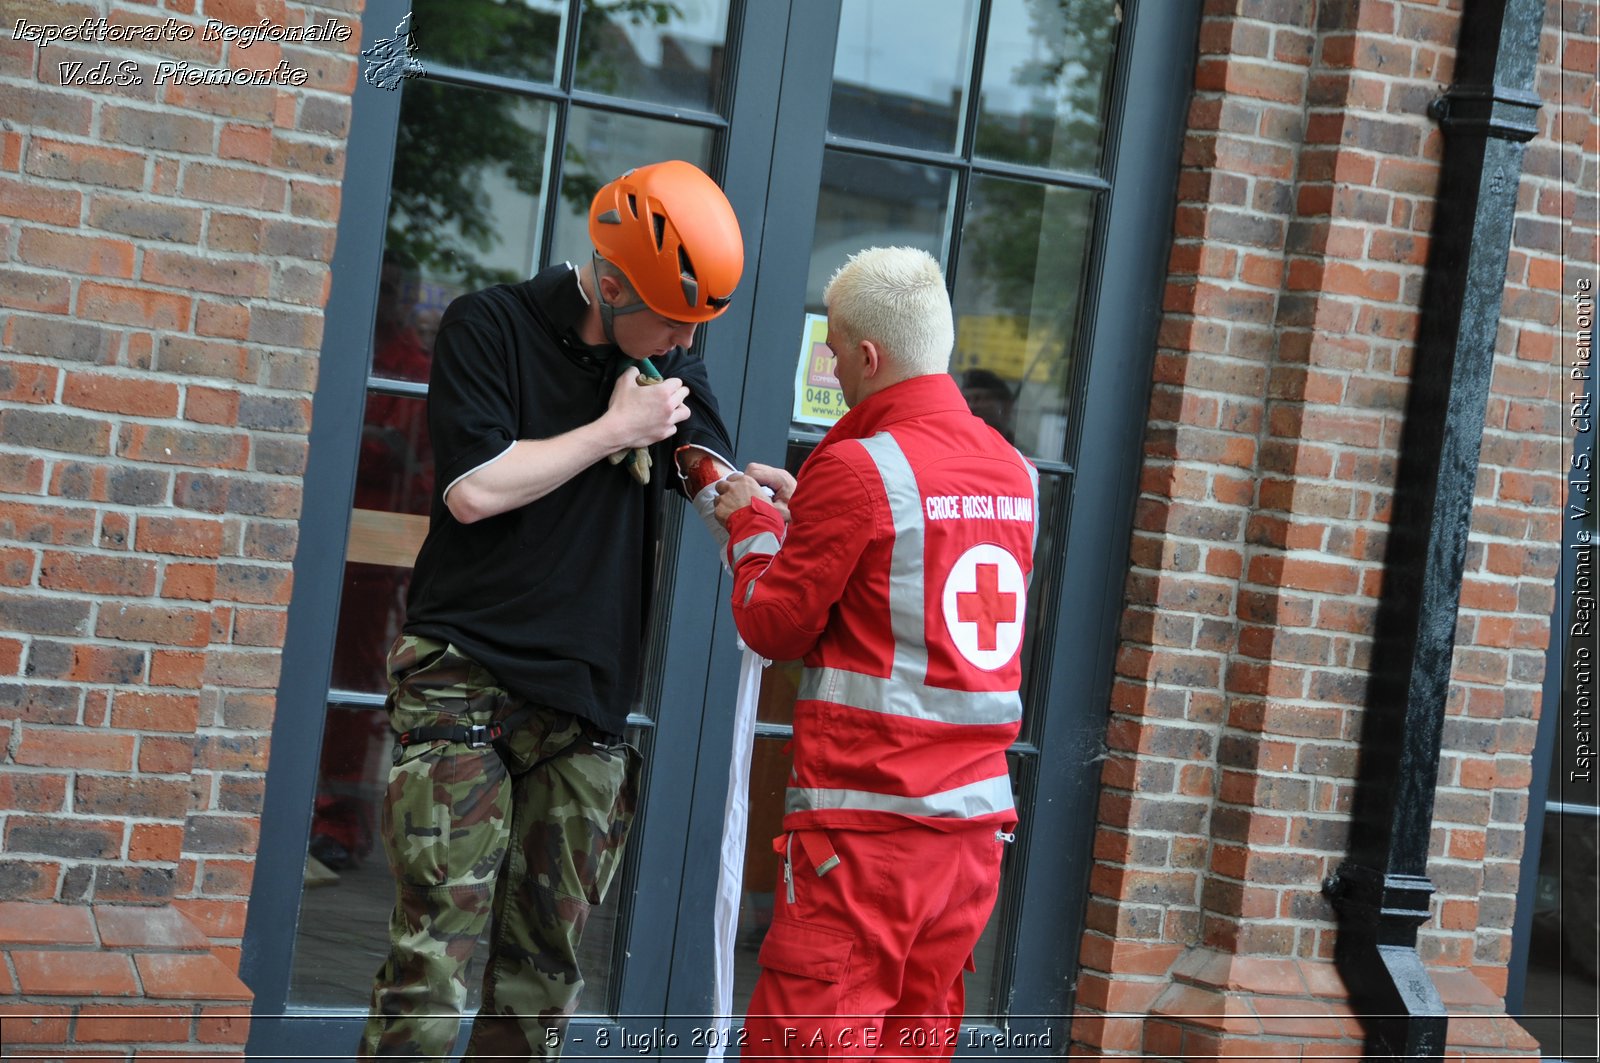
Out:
{"x": 736, "y": 491}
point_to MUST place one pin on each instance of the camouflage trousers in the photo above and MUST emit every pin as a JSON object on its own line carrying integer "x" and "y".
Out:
{"x": 528, "y": 832}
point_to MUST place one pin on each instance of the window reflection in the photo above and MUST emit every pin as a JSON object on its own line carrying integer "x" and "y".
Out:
{"x": 394, "y": 482}
{"x": 1018, "y": 289}
{"x": 867, "y": 201}
{"x": 517, "y": 39}
{"x": 466, "y": 201}
{"x": 1045, "y": 76}
{"x": 991, "y": 399}
{"x": 901, "y": 71}
{"x": 601, "y": 145}
{"x": 1054, "y": 490}
{"x": 663, "y": 51}
{"x": 1564, "y": 949}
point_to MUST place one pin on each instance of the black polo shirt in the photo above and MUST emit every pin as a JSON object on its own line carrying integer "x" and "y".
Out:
{"x": 552, "y": 597}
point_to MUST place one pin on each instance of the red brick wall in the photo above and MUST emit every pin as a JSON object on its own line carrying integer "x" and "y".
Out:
{"x": 164, "y": 256}
{"x": 1304, "y": 210}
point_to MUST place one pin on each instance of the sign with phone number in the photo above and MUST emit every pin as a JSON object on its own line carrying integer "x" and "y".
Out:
{"x": 817, "y": 398}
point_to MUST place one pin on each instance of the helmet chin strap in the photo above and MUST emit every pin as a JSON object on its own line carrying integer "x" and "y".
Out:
{"x": 607, "y": 310}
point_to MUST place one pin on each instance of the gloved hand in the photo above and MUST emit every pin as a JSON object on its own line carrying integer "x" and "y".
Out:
{"x": 638, "y": 458}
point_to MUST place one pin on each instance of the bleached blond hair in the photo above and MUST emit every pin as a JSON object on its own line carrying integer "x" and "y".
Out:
{"x": 895, "y": 297}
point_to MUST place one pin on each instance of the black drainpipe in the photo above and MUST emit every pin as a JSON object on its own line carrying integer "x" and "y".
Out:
{"x": 1382, "y": 890}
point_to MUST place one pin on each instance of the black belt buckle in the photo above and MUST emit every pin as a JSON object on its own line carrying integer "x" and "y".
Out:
{"x": 480, "y": 735}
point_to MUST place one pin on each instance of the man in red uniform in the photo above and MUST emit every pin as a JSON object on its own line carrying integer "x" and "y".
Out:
{"x": 901, "y": 582}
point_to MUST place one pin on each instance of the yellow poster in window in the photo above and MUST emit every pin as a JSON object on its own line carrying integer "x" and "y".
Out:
{"x": 817, "y": 398}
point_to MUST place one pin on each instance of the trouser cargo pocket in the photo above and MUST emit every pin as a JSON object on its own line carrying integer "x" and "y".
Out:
{"x": 806, "y": 949}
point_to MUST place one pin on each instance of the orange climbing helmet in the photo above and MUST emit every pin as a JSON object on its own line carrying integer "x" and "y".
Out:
{"x": 673, "y": 234}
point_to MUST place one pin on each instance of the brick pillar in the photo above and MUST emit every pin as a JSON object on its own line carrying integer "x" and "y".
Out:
{"x": 1301, "y": 242}
{"x": 164, "y": 250}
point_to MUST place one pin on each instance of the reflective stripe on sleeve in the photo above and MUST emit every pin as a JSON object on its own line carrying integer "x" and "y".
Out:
{"x": 760, "y": 543}
{"x": 982, "y": 798}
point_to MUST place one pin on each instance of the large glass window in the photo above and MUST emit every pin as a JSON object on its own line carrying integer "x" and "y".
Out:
{"x": 1561, "y": 992}
{"x": 1045, "y": 83}
{"x": 521, "y": 39}
{"x": 668, "y": 52}
{"x": 971, "y": 129}
{"x": 1016, "y": 302}
{"x": 879, "y": 96}
{"x": 484, "y": 140}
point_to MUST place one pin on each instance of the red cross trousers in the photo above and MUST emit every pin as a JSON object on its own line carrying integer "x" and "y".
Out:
{"x": 984, "y": 604}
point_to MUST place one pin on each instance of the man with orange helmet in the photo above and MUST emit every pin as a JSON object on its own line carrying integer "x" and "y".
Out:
{"x": 513, "y": 790}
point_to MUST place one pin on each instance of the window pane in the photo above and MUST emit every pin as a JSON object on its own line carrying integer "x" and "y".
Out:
{"x": 343, "y": 933}
{"x": 600, "y": 146}
{"x": 1018, "y": 290}
{"x": 866, "y": 202}
{"x": 467, "y": 197}
{"x": 394, "y": 480}
{"x": 517, "y": 39}
{"x": 901, "y": 71}
{"x": 663, "y": 51}
{"x": 1044, "y": 82}
{"x": 406, "y": 322}
{"x": 1564, "y": 944}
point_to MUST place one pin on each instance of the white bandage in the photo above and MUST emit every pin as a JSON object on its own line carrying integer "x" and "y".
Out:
{"x": 705, "y": 504}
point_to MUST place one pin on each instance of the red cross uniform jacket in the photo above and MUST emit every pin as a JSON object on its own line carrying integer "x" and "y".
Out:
{"x": 901, "y": 582}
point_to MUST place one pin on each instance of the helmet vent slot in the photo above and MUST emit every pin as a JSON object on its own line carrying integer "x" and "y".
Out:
{"x": 633, "y": 204}
{"x": 658, "y": 224}
{"x": 691, "y": 286}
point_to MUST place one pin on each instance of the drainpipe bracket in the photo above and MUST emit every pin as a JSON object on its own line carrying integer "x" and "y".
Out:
{"x": 1399, "y": 903}
{"x": 1494, "y": 111}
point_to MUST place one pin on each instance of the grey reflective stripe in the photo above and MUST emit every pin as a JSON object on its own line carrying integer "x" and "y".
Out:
{"x": 874, "y": 694}
{"x": 906, "y": 593}
{"x": 982, "y": 798}
{"x": 762, "y": 542}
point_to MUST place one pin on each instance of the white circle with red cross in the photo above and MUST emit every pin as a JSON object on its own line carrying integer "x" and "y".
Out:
{"x": 985, "y": 598}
